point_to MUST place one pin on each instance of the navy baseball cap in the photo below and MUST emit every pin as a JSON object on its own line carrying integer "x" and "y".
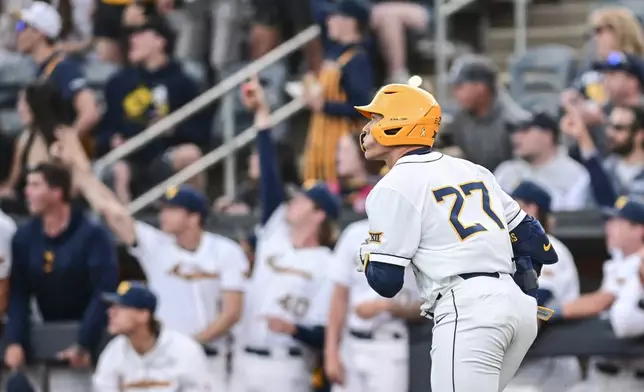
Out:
{"x": 530, "y": 192}
{"x": 473, "y": 69}
{"x": 323, "y": 198}
{"x": 187, "y": 197}
{"x": 541, "y": 121}
{"x": 628, "y": 209}
{"x": 132, "y": 294}
{"x": 619, "y": 61}
{"x": 356, "y": 9}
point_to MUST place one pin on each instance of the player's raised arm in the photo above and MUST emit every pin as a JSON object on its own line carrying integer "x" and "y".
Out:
{"x": 271, "y": 187}
{"x": 99, "y": 196}
{"x": 392, "y": 241}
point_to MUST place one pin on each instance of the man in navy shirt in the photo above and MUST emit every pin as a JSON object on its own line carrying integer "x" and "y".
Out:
{"x": 65, "y": 260}
{"x": 38, "y": 28}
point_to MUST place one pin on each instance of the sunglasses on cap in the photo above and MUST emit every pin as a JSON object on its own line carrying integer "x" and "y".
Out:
{"x": 616, "y": 59}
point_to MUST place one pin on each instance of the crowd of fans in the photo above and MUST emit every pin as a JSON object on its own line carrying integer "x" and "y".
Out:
{"x": 106, "y": 70}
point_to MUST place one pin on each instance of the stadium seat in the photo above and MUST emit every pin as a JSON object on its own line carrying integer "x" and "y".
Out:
{"x": 547, "y": 68}
{"x": 541, "y": 102}
{"x": 15, "y": 72}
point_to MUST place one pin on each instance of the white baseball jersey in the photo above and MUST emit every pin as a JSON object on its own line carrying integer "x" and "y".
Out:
{"x": 176, "y": 363}
{"x": 189, "y": 284}
{"x": 561, "y": 278}
{"x": 447, "y": 214}
{"x": 287, "y": 283}
{"x": 7, "y": 230}
{"x": 343, "y": 272}
{"x": 621, "y": 277}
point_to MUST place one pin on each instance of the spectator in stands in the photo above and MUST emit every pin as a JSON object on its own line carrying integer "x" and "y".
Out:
{"x": 76, "y": 26}
{"x": 345, "y": 81}
{"x": 18, "y": 382}
{"x": 41, "y": 111}
{"x": 624, "y": 239}
{"x": 558, "y": 283}
{"x": 7, "y": 230}
{"x": 539, "y": 159}
{"x": 145, "y": 354}
{"x": 110, "y": 21}
{"x": 622, "y": 172}
{"x": 391, "y": 20}
{"x": 66, "y": 261}
{"x": 356, "y": 175}
{"x": 136, "y": 97}
{"x": 38, "y": 29}
{"x": 614, "y": 28}
{"x": 276, "y": 20}
{"x": 480, "y": 127}
{"x": 247, "y": 199}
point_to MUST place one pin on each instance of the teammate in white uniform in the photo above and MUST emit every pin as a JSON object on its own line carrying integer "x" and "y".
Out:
{"x": 372, "y": 353}
{"x": 558, "y": 283}
{"x": 449, "y": 220}
{"x": 616, "y": 299}
{"x": 289, "y": 281}
{"x": 145, "y": 355}
{"x": 7, "y": 229}
{"x": 198, "y": 276}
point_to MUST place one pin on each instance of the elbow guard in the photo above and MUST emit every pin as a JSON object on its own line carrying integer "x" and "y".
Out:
{"x": 385, "y": 279}
{"x": 530, "y": 240}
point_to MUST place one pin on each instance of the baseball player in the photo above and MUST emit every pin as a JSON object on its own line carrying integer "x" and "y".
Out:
{"x": 146, "y": 355}
{"x": 615, "y": 299}
{"x": 372, "y": 353}
{"x": 289, "y": 281}
{"x": 558, "y": 283}
{"x": 7, "y": 229}
{"x": 199, "y": 276}
{"x": 449, "y": 220}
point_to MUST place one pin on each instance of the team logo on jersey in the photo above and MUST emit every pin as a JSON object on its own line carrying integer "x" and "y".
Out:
{"x": 49, "y": 257}
{"x": 621, "y": 202}
{"x": 375, "y": 237}
{"x": 191, "y": 273}
{"x": 272, "y": 264}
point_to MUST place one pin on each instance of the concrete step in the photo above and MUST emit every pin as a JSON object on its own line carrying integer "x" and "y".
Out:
{"x": 502, "y": 39}
{"x": 541, "y": 15}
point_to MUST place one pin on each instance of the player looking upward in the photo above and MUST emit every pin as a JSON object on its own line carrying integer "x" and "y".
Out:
{"x": 450, "y": 221}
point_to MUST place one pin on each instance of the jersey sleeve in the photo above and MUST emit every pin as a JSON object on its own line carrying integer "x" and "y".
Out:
{"x": 343, "y": 262}
{"x": 7, "y": 230}
{"x": 394, "y": 227}
{"x": 147, "y": 239}
{"x": 626, "y": 318}
{"x": 233, "y": 277}
{"x": 106, "y": 376}
{"x": 609, "y": 283}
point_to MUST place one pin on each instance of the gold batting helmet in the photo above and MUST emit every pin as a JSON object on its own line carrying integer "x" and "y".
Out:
{"x": 411, "y": 116}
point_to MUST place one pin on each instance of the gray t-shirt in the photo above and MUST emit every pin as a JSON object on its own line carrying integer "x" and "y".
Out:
{"x": 565, "y": 179}
{"x": 485, "y": 140}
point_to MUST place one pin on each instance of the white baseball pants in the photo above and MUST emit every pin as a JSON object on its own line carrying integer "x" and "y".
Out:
{"x": 374, "y": 365}
{"x": 256, "y": 373}
{"x": 483, "y": 328}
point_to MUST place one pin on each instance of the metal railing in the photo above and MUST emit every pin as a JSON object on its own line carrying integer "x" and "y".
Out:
{"x": 207, "y": 98}
{"x": 444, "y": 10}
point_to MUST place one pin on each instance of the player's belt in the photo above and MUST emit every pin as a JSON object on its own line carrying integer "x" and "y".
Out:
{"x": 363, "y": 335}
{"x": 263, "y": 352}
{"x": 613, "y": 370}
{"x": 471, "y": 275}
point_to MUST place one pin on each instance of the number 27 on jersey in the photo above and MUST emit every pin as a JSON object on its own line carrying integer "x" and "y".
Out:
{"x": 460, "y": 195}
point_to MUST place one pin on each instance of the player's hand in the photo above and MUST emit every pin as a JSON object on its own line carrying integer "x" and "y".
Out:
{"x": 280, "y": 326}
{"x": 370, "y": 309}
{"x": 77, "y": 357}
{"x": 14, "y": 356}
{"x": 333, "y": 368}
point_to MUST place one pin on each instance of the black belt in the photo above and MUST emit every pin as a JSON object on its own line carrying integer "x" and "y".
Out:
{"x": 613, "y": 370}
{"x": 370, "y": 336}
{"x": 262, "y": 352}
{"x": 210, "y": 352}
